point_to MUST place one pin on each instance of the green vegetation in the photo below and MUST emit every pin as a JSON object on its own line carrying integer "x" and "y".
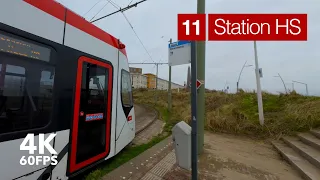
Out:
{"x": 124, "y": 156}
{"x": 285, "y": 114}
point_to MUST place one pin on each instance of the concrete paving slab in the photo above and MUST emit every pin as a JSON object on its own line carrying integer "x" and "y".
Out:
{"x": 138, "y": 167}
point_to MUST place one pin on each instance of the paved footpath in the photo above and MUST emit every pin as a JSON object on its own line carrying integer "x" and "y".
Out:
{"x": 159, "y": 171}
{"x": 151, "y": 164}
{"x": 143, "y": 166}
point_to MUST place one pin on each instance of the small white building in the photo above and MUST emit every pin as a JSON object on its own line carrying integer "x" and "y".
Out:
{"x": 162, "y": 84}
{"x": 176, "y": 86}
{"x": 138, "y": 81}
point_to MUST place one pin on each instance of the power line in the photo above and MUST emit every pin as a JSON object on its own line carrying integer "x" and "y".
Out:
{"x": 130, "y": 2}
{"x": 137, "y": 36}
{"x": 120, "y": 10}
{"x": 91, "y": 8}
{"x": 109, "y": 1}
{"x": 114, "y": 4}
{"x": 100, "y": 10}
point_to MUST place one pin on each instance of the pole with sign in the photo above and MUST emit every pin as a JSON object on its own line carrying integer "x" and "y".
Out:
{"x": 184, "y": 52}
{"x": 195, "y": 84}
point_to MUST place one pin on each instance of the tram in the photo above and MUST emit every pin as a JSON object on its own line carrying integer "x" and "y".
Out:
{"x": 60, "y": 74}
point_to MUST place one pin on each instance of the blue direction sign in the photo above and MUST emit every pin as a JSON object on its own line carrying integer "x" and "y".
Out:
{"x": 179, "y": 53}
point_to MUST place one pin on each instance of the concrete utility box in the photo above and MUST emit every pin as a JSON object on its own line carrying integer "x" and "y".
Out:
{"x": 181, "y": 134}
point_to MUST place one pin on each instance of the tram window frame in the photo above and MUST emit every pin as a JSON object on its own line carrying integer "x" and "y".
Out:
{"x": 126, "y": 107}
{"x": 29, "y": 64}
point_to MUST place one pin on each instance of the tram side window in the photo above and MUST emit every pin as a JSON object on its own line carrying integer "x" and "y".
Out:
{"x": 25, "y": 94}
{"x": 126, "y": 91}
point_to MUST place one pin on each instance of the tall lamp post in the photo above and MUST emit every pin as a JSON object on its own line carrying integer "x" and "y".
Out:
{"x": 258, "y": 76}
{"x": 304, "y": 84}
{"x": 285, "y": 88}
{"x": 244, "y": 65}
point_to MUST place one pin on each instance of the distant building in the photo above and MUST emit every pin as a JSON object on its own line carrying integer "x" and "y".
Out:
{"x": 134, "y": 70}
{"x": 176, "y": 86}
{"x": 138, "y": 81}
{"x": 151, "y": 80}
{"x": 148, "y": 80}
{"x": 162, "y": 83}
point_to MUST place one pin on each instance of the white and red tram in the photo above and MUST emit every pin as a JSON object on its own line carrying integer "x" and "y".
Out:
{"x": 60, "y": 74}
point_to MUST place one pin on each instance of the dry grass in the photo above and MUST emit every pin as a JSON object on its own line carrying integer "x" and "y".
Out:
{"x": 238, "y": 113}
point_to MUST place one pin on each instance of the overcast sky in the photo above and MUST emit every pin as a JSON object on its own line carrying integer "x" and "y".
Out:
{"x": 155, "y": 21}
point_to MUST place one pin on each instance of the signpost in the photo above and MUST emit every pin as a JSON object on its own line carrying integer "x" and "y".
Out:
{"x": 184, "y": 52}
{"x": 179, "y": 53}
{"x": 195, "y": 84}
{"x": 198, "y": 84}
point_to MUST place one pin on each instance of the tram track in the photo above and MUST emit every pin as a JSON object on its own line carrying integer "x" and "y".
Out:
{"x": 146, "y": 119}
{"x": 152, "y": 126}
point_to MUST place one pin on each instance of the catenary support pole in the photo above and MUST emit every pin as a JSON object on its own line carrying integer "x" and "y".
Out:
{"x": 156, "y": 88}
{"x": 259, "y": 93}
{"x": 169, "y": 86}
{"x": 194, "y": 109}
{"x": 201, "y": 52}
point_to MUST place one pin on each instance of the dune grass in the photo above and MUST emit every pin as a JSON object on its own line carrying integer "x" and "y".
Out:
{"x": 285, "y": 114}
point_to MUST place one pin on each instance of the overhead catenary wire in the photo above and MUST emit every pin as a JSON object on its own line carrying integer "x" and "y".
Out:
{"x": 109, "y": 1}
{"x": 120, "y": 10}
{"x": 138, "y": 37}
{"x": 114, "y": 4}
{"x": 130, "y": 2}
{"x": 91, "y": 8}
{"x": 100, "y": 10}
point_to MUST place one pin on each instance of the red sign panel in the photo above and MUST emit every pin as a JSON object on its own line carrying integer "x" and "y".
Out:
{"x": 192, "y": 27}
{"x": 257, "y": 27}
{"x": 243, "y": 27}
{"x": 198, "y": 84}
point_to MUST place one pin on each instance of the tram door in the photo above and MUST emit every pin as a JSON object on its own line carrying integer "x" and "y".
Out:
{"x": 92, "y": 113}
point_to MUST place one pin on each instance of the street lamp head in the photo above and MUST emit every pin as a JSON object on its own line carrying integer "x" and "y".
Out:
{"x": 248, "y": 65}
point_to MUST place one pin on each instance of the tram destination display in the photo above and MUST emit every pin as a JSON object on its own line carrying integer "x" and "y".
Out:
{"x": 19, "y": 47}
